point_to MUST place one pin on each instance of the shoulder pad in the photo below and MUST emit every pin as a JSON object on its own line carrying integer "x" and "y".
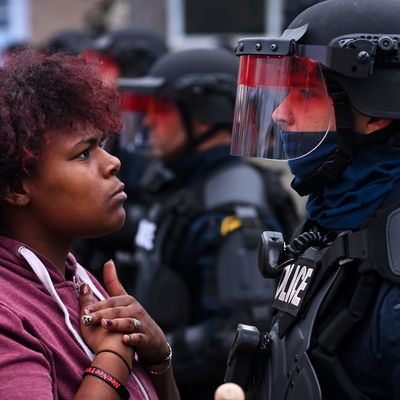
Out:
{"x": 239, "y": 183}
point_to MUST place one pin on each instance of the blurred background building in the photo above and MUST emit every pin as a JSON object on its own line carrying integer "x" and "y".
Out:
{"x": 183, "y": 23}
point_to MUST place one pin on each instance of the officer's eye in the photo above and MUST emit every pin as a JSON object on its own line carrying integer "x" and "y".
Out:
{"x": 307, "y": 93}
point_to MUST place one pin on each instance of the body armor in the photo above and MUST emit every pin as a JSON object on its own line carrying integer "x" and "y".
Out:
{"x": 300, "y": 350}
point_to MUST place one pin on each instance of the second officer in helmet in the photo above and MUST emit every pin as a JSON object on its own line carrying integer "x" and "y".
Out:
{"x": 195, "y": 249}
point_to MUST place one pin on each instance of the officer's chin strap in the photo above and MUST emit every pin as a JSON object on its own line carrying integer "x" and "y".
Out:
{"x": 334, "y": 166}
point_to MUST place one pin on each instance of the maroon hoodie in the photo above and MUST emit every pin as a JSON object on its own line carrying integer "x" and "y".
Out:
{"x": 40, "y": 358}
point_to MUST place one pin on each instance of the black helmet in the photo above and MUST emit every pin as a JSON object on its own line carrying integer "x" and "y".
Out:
{"x": 293, "y": 8}
{"x": 358, "y": 41}
{"x": 349, "y": 51}
{"x": 201, "y": 81}
{"x": 371, "y": 28}
{"x": 134, "y": 50}
{"x": 69, "y": 41}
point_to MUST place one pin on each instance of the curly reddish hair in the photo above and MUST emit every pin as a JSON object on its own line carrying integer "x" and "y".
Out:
{"x": 42, "y": 95}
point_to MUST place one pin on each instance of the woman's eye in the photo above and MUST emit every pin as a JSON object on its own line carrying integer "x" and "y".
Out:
{"x": 85, "y": 154}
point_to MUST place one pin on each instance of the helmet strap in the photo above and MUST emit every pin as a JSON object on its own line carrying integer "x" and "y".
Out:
{"x": 187, "y": 120}
{"x": 205, "y": 136}
{"x": 334, "y": 166}
{"x": 194, "y": 141}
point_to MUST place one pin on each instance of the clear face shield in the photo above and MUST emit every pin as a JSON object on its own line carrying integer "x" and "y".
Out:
{"x": 134, "y": 135}
{"x": 283, "y": 110}
{"x": 146, "y": 119}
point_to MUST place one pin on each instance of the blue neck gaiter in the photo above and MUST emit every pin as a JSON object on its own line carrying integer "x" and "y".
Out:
{"x": 305, "y": 166}
{"x": 362, "y": 188}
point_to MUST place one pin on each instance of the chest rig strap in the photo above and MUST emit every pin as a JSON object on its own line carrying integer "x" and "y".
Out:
{"x": 375, "y": 245}
{"x": 331, "y": 374}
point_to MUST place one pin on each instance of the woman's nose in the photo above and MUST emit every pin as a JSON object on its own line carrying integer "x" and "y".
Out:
{"x": 112, "y": 164}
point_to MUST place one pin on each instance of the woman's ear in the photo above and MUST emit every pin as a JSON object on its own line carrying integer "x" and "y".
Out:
{"x": 17, "y": 195}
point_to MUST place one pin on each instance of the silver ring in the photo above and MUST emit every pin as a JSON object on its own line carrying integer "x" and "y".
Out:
{"x": 137, "y": 324}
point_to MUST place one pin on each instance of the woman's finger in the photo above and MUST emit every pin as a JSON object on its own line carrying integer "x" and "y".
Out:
{"x": 86, "y": 299}
{"x": 125, "y": 325}
{"x": 131, "y": 311}
{"x": 111, "y": 281}
{"x": 114, "y": 302}
{"x": 133, "y": 339}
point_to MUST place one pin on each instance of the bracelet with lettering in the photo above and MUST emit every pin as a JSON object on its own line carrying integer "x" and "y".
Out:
{"x": 109, "y": 379}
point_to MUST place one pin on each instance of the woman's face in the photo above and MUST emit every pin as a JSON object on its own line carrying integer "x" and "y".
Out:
{"x": 76, "y": 192}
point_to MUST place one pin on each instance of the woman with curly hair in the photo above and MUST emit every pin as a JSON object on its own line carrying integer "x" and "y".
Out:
{"x": 63, "y": 336}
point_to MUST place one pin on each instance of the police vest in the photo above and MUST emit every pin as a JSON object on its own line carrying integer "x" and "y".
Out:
{"x": 308, "y": 327}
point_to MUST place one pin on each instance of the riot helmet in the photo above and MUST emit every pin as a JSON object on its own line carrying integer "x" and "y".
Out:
{"x": 294, "y": 90}
{"x": 69, "y": 41}
{"x": 134, "y": 50}
{"x": 201, "y": 82}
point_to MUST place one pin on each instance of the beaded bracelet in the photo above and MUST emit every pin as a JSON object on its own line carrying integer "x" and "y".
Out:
{"x": 118, "y": 355}
{"x": 109, "y": 379}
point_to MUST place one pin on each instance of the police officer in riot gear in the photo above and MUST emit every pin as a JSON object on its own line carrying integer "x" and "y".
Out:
{"x": 124, "y": 53}
{"x": 206, "y": 210}
{"x": 134, "y": 51}
{"x": 326, "y": 97}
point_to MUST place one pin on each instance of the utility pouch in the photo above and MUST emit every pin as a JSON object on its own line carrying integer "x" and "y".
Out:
{"x": 379, "y": 244}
